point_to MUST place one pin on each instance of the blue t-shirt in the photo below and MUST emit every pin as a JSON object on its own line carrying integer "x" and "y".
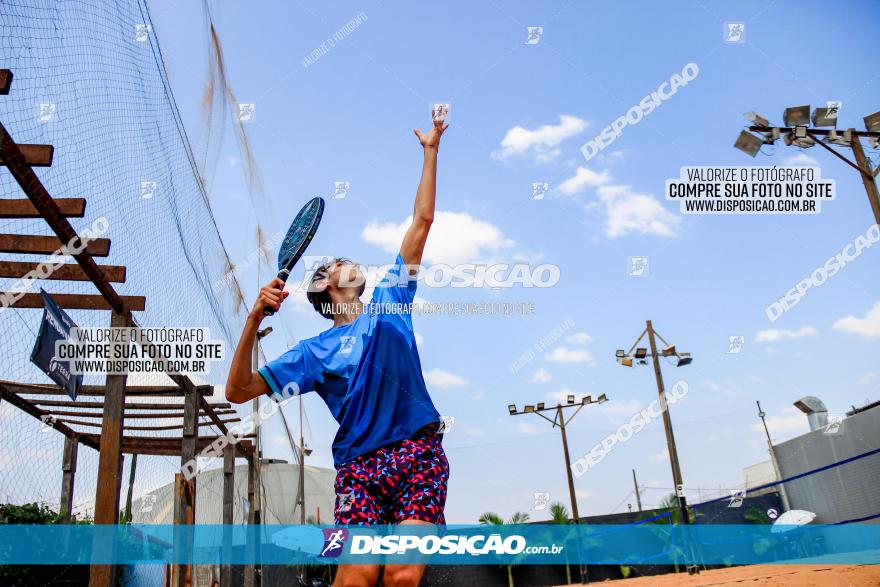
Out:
{"x": 367, "y": 372}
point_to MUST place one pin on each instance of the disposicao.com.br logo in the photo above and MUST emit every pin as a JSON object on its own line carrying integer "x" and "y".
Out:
{"x": 453, "y": 544}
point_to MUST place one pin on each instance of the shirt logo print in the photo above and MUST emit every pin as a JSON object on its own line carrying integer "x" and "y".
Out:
{"x": 346, "y": 344}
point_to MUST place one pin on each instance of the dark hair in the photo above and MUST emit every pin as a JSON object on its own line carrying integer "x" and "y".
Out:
{"x": 320, "y": 299}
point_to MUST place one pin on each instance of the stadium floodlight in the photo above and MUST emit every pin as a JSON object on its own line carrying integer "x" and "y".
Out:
{"x": 748, "y": 143}
{"x": 684, "y": 359}
{"x": 844, "y": 140}
{"x": 602, "y": 399}
{"x": 872, "y": 122}
{"x": 512, "y": 409}
{"x": 529, "y": 409}
{"x": 804, "y": 142}
{"x": 619, "y": 353}
{"x": 800, "y": 132}
{"x": 756, "y": 118}
{"x": 668, "y": 351}
{"x": 570, "y": 399}
{"x": 825, "y": 117}
{"x": 540, "y": 406}
{"x": 626, "y": 361}
{"x": 641, "y": 353}
{"x": 588, "y": 399}
{"x": 797, "y": 116}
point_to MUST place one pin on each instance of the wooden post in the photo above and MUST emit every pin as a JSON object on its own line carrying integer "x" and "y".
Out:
{"x": 185, "y": 495}
{"x": 250, "y": 569}
{"x": 131, "y": 475}
{"x": 109, "y": 462}
{"x": 68, "y": 476}
{"x": 228, "y": 510}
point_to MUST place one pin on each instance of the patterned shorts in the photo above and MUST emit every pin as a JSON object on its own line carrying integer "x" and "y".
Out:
{"x": 405, "y": 480}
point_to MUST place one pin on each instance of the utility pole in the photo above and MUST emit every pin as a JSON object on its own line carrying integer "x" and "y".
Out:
{"x": 773, "y": 461}
{"x": 303, "y": 453}
{"x": 641, "y": 354}
{"x": 667, "y": 426}
{"x": 559, "y": 420}
{"x": 636, "y": 489}
{"x": 257, "y": 506}
{"x": 258, "y": 445}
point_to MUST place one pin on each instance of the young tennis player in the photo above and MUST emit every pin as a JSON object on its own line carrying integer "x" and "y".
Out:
{"x": 390, "y": 465}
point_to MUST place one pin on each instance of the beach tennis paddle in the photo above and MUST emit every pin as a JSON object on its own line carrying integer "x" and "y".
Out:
{"x": 298, "y": 237}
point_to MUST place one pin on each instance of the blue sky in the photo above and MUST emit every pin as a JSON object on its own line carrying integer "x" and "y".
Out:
{"x": 348, "y": 117}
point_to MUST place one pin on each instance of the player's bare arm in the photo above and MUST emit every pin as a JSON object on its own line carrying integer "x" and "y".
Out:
{"x": 243, "y": 384}
{"x": 413, "y": 245}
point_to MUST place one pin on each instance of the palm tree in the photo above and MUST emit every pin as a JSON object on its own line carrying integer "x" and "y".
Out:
{"x": 493, "y": 519}
{"x": 559, "y": 515}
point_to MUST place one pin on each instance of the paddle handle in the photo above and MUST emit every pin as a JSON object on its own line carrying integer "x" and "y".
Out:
{"x": 282, "y": 275}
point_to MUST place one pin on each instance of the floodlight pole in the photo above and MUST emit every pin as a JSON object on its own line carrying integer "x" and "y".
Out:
{"x": 667, "y": 426}
{"x": 862, "y": 165}
{"x": 782, "y": 493}
{"x": 559, "y": 420}
{"x": 867, "y": 176}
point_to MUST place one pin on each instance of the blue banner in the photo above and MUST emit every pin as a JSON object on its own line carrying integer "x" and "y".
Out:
{"x": 532, "y": 544}
{"x": 55, "y": 326}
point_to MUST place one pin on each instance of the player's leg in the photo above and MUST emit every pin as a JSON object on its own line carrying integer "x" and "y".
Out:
{"x": 405, "y": 575}
{"x": 356, "y": 505}
{"x": 357, "y": 576}
{"x": 422, "y": 500}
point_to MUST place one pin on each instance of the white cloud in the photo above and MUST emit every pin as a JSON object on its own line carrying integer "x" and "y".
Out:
{"x": 867, "y": 327}
{"x": 777, "y": 334}
{"x": 443, "y": 379}
{"x": 456, "y": 237}
{"x": 628, "y": 211}
{"x": 579, "y": 338}
{"x": 627, "y": 408}
{"x": 611, "y": 158}
{"x": 566, "y": 355}
{"x": 802, "y": 160}
{"x": 868, "y": 378}
{"x": 792, "y": 420}
{"x": 527, "y": 428}
{"x": 541, "y": 141}
{"x": 727, "y": 388}
{"x": 540, "y": 376}
{"x": 420, "y": 340}
{"x": 561, "y": 396}
{"x": 663, "y": 455}
{"x": 582, "y": 179}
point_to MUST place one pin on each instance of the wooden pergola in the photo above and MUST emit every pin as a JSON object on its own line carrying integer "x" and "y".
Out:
{"x": 104, "y": 424}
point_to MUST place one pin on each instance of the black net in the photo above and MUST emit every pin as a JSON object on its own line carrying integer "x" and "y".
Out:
{"x": 89, "y": 79}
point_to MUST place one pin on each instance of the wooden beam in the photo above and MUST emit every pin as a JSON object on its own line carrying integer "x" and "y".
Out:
{"x": 166, "y": 445}
{"x": 98, "y": 390}
{"x": 68, "y": 477}
{"x": 34, "y": 155}
{"x": 32, "y": 244}
{"x": 141, "y": 428}
{"x": 75, "y": 301}
{"x": 35, "y": 191}
{"x": 128, "y": 406}
{"x": 130, "y": 416}
{"x": 5, "y": 81}
{"x": 65, "y": 272}
{"x": 24, "y": 208}
{"x": 30, "y": 409}
{"x": 110, "y": 462}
